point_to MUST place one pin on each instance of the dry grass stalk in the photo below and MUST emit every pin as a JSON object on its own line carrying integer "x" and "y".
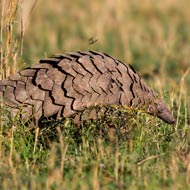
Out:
{"x": 8, "y": 43}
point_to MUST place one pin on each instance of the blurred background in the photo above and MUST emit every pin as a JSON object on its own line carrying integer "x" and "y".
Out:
{"x": 152, "y": 35}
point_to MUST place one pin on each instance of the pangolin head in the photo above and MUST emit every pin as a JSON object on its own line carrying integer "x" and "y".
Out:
{"x": 159, "y": 108}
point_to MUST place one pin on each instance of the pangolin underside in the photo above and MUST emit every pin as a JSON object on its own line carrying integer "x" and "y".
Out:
{"x": 65, "y": 84}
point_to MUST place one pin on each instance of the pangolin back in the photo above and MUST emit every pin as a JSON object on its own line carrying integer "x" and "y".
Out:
{"x": 65, "y": 84}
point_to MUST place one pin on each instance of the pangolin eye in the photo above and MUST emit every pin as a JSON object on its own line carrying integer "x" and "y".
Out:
{"x": 160, "y": 110}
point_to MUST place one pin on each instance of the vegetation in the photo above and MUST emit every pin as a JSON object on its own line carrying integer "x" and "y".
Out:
{"x": 112, "y": 153}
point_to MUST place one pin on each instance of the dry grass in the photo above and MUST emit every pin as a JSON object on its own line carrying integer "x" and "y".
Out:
{"x": 154, "y": 36}
{"x": 8, "y": 41}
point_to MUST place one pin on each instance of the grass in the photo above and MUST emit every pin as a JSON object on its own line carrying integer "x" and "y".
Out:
{"x": 149, "y": 154}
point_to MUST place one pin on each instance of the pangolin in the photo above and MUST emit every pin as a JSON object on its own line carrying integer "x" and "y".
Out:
{"x": 66, "y": 84}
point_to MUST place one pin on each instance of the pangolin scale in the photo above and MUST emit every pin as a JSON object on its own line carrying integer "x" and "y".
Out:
{"x": 65, "y": 84}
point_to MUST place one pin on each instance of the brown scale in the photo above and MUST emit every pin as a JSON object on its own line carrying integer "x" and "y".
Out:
{"x": 65, "y": 84}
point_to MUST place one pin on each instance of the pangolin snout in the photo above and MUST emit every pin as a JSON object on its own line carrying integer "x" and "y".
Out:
{"x": 160, "y": 109}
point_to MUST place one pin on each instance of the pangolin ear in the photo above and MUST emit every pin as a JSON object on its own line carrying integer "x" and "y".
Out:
{"x": 151, "y": 109}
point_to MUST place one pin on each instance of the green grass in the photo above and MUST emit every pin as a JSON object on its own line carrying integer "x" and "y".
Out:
{"x": 154, "y": 37}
